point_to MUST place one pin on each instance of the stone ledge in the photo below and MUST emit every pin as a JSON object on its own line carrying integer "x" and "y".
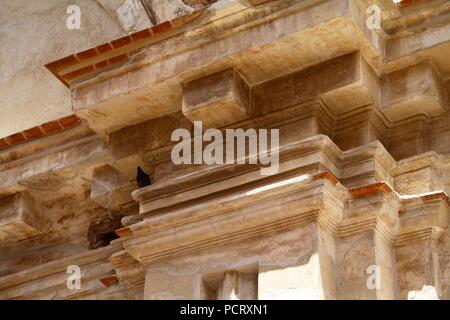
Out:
{"x": 48, "y": 281}
{"x": 297, "y": 200}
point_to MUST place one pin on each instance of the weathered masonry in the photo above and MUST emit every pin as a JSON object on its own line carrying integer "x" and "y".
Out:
{"x": 364, "y": 172}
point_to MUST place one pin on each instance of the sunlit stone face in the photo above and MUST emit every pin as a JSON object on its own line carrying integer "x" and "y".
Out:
{"x": 154, "y": 187}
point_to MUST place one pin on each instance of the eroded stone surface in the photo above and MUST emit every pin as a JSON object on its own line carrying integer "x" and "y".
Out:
{"x": 359, "y": 207}
{"x": 19, "y": 218}
{"x": 217, "y": 100}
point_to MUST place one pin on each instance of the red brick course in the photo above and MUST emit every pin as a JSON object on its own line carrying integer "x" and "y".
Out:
{"x": 57, "y": 67}
{"x": 41, "y": 131}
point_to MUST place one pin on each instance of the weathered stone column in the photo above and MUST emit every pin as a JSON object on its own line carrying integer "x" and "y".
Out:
{"x": 313, "y": 277}
{"x": 417, "y": 249}
{"x": 366, "y": 264}
{"x": 418, "y": 271}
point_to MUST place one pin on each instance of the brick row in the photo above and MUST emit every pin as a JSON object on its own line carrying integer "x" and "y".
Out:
{"x": 58, "y": 66}
{"x": 40, "y": 131}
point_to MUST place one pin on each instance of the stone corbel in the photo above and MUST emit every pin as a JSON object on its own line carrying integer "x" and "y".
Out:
{"x": 218, "y": 99}
{"x": 20, "y": 218}
{"x": 110, "y": 188}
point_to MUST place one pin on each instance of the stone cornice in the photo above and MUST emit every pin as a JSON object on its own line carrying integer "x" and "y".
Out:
{"x": 227, "y": 222}
{"x": 229, "y": 16}
{"x": 410, "y": 23}
{"x": 153, "y": 74}
{"x": 408, "y": 237}
{"x": 284, "y": 203}
{"x": 304, "y": 154}
{"x": 44, "y": 130}
{"x": 369, "y": 163}
{"x": 170, "y": 212}
{"x": 79, "y": 154}
{"x": 44, "y": 278}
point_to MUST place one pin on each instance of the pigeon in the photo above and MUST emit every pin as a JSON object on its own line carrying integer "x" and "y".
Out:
{"x": 143, "y": 179}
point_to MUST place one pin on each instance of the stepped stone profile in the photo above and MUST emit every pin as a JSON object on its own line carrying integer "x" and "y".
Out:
{"x": 358, "y": 208}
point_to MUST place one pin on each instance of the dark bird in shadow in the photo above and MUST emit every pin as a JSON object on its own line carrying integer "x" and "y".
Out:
{"x": 143, "y": 179}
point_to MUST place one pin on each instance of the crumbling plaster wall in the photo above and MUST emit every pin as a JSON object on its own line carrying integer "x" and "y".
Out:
{"x": 164, "y": 10}
{"x": 34, "y": 33}
{"x": 130, "y": 14}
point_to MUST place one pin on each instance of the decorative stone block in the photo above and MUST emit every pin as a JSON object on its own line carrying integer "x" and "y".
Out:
{"x": 217, "y": 100}
{"x": 19, "y": 218}
{"x": 110, "y": 188}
